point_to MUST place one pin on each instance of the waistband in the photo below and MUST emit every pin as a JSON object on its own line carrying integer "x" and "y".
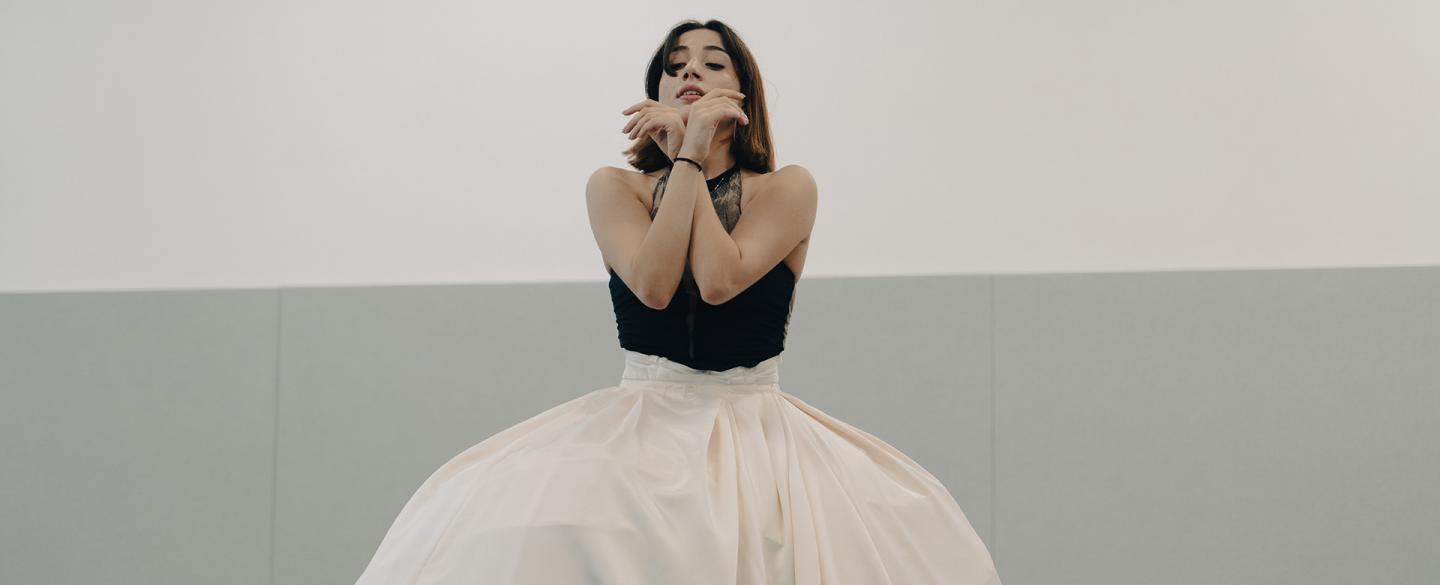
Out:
{"x": 645, "y": 370}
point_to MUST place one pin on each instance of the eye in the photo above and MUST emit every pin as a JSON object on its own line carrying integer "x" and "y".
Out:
{"x": 676, "y": 66}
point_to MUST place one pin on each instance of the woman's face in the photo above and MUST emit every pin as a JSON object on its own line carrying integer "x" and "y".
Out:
{"x": 699, "y": 59}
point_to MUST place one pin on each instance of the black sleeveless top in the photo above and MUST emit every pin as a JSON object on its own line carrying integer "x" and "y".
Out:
{"x": 743, "y": 331}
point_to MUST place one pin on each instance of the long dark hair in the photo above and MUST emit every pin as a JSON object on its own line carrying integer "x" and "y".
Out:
{"x": 751, "y": 145}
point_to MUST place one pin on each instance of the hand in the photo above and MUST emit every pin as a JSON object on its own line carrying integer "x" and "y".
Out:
{"x": 712, "y": 109}
{"x": 664, "y": 125}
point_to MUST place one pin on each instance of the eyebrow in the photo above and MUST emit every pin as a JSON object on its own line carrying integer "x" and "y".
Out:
{"x": 706, "y": 48}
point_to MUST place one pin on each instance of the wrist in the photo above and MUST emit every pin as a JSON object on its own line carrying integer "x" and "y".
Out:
{"x": 689, "y": 161}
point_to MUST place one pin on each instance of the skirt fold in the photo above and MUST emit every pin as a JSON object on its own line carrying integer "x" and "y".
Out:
{"x": 677, "y": 476}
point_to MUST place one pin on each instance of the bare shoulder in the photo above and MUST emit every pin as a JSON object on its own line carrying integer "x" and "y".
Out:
{"x": 788, "y": 176}
{"x": 790, "y": 179}
{"x": 793, "y": 168}
{"x": 617, "y": 173}
{"x": 631, "y": 181}
{"x": 607, "y": 173}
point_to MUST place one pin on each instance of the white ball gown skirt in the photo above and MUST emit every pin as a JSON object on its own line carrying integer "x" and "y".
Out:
{"x": 680, "y": 476}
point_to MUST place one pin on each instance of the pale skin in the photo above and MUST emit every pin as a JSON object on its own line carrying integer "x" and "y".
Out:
{"x": 777, "y": 208}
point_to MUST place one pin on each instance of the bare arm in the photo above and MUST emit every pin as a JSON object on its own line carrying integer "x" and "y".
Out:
{"x": 725, "y": 264}
{"x": 648, "y": 256}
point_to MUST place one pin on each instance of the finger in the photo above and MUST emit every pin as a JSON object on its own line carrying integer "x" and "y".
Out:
{"x": 739, "y": 114}
{"x": 721, "y": 99}
{"x": 645, "y": 110}
{"x": 644, "y": 115}
{"x": 642, "y": 129}
{"x": 637, "y": 105}
{"x": 648, "y": 130}
{"x": 729, "y": 93}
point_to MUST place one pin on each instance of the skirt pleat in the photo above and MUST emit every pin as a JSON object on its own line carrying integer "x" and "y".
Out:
{"x": 678, "y": 476}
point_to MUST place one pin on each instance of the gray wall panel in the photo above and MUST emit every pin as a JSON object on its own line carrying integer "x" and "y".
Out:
{"x": 138, "y": 437}
{"x": 1219, "y": 427}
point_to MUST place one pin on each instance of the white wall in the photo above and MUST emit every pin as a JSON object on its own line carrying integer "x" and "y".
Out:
{"x": 171, "y": 145}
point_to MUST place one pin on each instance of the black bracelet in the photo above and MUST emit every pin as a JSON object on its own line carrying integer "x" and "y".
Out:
{"x": 697, "y": 165}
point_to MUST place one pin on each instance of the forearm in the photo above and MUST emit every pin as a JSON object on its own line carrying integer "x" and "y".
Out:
{"x": 713, "y": 253}
{"x": 661, "y": 259}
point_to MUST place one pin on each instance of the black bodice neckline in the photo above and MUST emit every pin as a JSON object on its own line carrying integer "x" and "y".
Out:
{"x": 720, "y": 178}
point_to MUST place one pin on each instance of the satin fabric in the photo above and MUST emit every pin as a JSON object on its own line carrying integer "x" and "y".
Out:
{"x": 678, "y": 476}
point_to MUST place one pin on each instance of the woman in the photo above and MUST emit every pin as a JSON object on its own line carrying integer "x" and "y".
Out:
{"x": 696, "y": 469}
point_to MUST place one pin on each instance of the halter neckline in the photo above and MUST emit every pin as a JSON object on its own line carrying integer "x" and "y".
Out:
{"x": 712, "y": 183}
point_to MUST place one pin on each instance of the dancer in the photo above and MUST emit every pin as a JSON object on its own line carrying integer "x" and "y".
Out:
{"x": 695, "y": 468}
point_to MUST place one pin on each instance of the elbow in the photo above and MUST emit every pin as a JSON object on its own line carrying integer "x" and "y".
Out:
{"x": 715, "y": 291}
{"x": 656, "y": 303}
{"x": 649, "y": 294}
{"x": 714, "y": 296}
{"x": 654, "y": 300}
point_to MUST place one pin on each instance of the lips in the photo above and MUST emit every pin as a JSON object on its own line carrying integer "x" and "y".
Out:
{"x": 688, "y": 88}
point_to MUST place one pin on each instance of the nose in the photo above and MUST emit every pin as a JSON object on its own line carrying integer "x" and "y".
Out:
{"x": 689, "y": 70}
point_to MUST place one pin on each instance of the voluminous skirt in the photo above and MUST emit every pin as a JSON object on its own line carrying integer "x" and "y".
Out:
{"x": 680, "y": 476}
